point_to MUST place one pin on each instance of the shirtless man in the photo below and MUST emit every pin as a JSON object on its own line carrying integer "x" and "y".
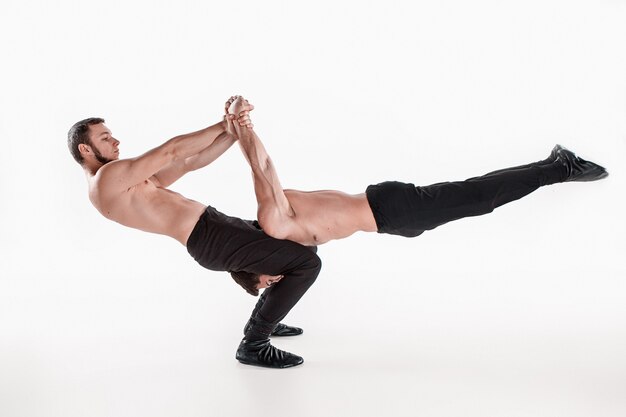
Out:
{"x": 134, "y": 193}
{"x": 313, "y": 218}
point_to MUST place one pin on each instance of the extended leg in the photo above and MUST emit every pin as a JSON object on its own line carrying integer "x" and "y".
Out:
{"x": 406, "y": 210}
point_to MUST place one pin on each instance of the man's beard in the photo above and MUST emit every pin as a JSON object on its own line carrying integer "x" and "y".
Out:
{"x": 99, "y": 156}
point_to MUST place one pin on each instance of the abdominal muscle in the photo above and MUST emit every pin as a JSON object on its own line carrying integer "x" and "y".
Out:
{"x": 320, "y": 216}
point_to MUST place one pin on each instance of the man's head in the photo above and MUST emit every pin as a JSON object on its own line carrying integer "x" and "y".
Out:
{"x": 90, "y": 140}
{"x": 252, "y": 283}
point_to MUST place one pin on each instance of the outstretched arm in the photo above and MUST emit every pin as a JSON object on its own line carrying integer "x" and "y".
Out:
{"x": 274, "y": 207}
{"x": 120, "y": 175}
{"x": 172, "y": 172}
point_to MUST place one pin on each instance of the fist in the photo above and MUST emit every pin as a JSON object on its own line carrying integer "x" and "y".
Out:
{"x": 237, "y": 104}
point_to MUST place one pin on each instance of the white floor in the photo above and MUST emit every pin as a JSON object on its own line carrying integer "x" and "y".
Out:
{"x": 535, "y": 340}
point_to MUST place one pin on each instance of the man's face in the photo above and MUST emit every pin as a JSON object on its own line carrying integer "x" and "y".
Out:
{"x": 103, "y": 144}
{"x": 266, "y": 281}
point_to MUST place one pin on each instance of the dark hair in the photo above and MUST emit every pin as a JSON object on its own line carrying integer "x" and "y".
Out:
{"x": 79, "y": 133}
{"x": 248, "y": 281}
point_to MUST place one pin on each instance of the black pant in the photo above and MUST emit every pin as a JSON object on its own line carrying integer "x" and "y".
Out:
{"x": 407, "y": 210}
{"x": 223, "y": 243}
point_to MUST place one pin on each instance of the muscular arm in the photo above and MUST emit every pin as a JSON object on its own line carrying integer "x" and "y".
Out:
{"x": 267, "y": 187}
{"x": 120, "y": 175}
{"x": 171, "y": 173}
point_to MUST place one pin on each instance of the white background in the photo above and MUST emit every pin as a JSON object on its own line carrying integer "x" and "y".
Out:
{"x": 518, "y": 313}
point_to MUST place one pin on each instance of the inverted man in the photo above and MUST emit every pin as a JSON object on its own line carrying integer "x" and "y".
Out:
{"x": 133, "y": 192}
{"x": 313, "y": 218}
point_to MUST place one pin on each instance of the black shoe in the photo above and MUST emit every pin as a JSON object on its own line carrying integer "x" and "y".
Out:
{"x": 577, "y": 168}
{"x": 280, "y": 330}
{"x": 284, "y": 330}
{"x": 554, "y": 154}
{"x": 262, "y": 353}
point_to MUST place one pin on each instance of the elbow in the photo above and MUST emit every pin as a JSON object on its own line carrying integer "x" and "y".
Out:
{"x": 190, "y": 164}
{"x": 172, "y": 149}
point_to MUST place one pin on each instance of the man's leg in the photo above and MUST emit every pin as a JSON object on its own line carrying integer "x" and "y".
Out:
{"x": 280, "y": 329}
{"x": 406, "y": 210}
{"x": 276, "y": 302}
{"x": 225, "y": 243}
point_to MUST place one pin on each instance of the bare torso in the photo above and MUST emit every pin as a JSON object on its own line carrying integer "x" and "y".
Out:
{"x": 320, "y": 216}
{"x": 149, "y": 207}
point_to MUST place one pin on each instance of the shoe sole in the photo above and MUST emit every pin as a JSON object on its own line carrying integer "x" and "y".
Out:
{"x": 244, "y": 362}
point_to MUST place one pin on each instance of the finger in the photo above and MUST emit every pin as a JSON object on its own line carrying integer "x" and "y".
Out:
{"x": 228, "y": 103}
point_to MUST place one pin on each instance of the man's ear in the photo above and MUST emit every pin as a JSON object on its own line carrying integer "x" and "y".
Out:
{"x": 82, "y": 148}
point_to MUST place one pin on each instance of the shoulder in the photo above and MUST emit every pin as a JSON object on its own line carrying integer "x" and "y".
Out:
{"x": 110, "y": 168}
{"x": 110, "y": 175}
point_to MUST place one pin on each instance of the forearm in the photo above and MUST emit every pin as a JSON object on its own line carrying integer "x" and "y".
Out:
{"x": 266, "y": 182}
{"x": 189, "y": 144}
{"x": 221, "y": 144}
{"x": 172, "y": 172}
{"x": 256, "y": 154}
{"x": 273, "y": 204}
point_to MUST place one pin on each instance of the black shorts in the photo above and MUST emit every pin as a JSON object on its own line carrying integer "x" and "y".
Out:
{"x": 394, "y": 205}
{"x": 223, "y": 243}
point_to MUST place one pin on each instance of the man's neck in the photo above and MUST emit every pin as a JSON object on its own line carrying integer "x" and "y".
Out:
{"x": 91, "y": 169}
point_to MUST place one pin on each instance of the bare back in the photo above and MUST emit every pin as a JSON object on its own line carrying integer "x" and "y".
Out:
{"x": 320, "y": 216}
{"x": 145, "y": 206}
{"x": 309, "y": 218}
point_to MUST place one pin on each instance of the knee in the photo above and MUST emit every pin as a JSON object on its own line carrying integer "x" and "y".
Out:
{"x": 313, "y": 266}
{"x": 315, "y": 262}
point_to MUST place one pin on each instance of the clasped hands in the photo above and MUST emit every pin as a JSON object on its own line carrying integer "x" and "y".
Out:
{"x": 237, "y": 117}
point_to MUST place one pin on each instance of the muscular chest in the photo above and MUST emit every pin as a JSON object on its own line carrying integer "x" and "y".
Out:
{"x": 136, "y": 196}
{"x": 145, "y": 190}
